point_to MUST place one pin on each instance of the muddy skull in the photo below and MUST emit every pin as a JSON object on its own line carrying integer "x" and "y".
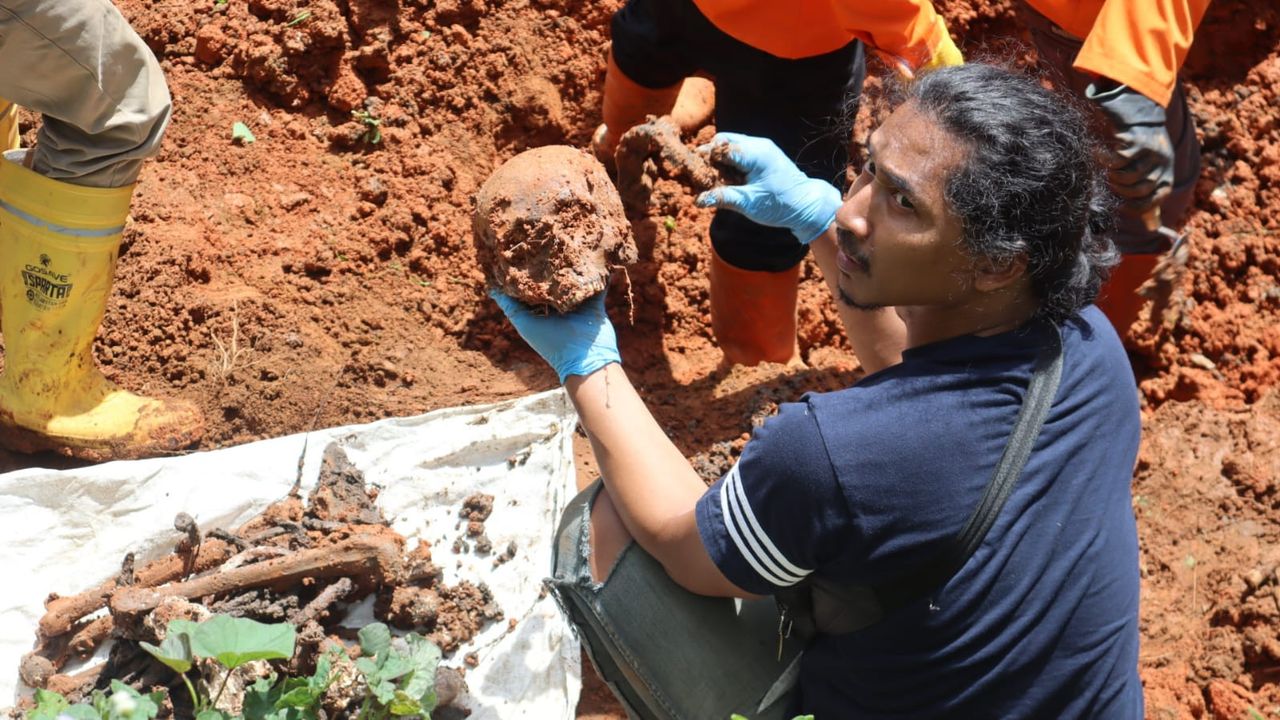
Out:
{"x": 549, "y": 227}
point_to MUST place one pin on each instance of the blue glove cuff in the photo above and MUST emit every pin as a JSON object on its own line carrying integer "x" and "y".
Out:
{"x": 826, "y": 201}
{"x": 595, "y": 358}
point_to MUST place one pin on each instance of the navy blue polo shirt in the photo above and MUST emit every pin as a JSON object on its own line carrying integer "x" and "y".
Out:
{"x": 860, "y": 484}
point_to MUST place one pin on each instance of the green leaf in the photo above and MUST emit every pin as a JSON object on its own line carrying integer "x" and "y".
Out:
{"x": 324, "y": 675}
{"x": 175, "y": 650}
{"x": 298, "y": 693}
{"x": 129, "y": 704}
{"x": 401, "y": 704}
{"x": 424, "y": 658}
{"x": 236, "y": 641}
{"x": 260, "y": 699}
{"x": 80, "y": 712}
{"x": 375, "y": 638}
{"x": 212, "y": 715}
{"x": 302, "y": 17}
{"x": 240, "y": 133}
{"x": 48, "y": 705}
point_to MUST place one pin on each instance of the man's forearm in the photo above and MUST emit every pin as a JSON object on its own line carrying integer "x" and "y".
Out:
{"x": 650, "y": 481}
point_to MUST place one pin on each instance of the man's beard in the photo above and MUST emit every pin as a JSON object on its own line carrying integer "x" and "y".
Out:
{"x": 847, "y": 300}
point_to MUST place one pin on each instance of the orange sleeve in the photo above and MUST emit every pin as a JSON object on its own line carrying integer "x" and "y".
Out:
{"x": 902, "y": 32}
{"x": 1141, "y": 43}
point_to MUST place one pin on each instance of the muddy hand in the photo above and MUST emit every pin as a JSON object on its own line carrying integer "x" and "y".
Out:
{"x": 775, "y": 193}
{"x": 573, "y": 343}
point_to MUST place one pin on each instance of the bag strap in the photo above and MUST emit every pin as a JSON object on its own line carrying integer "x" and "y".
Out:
{"x": 1045, "y": 377}
{"x": 834, "y": 608}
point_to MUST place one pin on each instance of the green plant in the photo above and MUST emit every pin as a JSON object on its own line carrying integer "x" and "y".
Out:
{"x": 372, "y": 126}
{"x": 399, "y": 675}
{"x": 669, "y": 223}
{"x": 230, "y": 641}
{"x": 123, "y": 703}
{"x": 291, "y": 698}
{"x": 241, "y": 133}
{"x": 401, "y": 679}
{"x": 302, "y": 17}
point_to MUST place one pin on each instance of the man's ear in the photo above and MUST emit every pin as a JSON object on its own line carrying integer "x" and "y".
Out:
{"x": 992, "y": 277}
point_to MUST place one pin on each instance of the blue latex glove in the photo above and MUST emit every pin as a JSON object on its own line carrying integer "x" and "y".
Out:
{"x": 776, "y": 193}
{"x": 573, "y": 343}
{"x": 1141, "y": 156}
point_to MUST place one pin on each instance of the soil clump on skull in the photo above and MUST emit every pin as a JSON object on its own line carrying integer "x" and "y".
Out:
{"x": 549, "y": 227}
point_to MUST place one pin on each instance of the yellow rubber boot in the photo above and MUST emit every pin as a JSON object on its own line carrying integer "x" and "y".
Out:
{"x": 9, "y": 139}
{"x": 58, "y": 245}
{"x": 753, "y": 313}
{"x": 627, "y": 104}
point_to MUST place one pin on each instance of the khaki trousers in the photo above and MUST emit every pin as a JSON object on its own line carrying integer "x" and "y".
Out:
{"x": 100, "y": 90}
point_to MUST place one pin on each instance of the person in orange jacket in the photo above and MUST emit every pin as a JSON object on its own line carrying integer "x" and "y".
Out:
{"x": 1123, "y": 56}
{"x": 782, "y": 71}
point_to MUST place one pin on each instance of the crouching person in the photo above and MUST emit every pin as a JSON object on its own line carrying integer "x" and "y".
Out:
{"x": 951, "y": 536}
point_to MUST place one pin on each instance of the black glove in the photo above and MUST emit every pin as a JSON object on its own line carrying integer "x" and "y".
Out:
{"x": 1141, "y": 155}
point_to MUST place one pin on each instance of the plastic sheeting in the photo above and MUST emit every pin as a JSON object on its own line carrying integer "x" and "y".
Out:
{"x": 66, "y": 531}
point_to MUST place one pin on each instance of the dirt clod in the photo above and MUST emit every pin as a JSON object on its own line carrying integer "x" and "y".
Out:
{"x": 654, "y": 149}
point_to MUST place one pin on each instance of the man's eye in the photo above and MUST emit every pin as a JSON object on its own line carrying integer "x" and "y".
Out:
{"x": 903, "y": 201}
{"x": 869, "y": 167}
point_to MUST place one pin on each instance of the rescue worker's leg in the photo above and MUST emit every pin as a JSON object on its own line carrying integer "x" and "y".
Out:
{"x": 648, "y": 36}
{"x": 60, "y": 228}
{"x": 769, "y": 301}
{"x": 8, "y": 125}
{"x": 755, "y": 269}
{"x": 1140, "y": 246}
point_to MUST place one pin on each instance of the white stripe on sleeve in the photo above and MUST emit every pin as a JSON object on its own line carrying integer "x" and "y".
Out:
{"x": 750, "y": 539}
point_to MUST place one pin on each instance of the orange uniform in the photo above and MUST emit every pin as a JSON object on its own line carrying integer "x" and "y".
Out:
{"x": 903, "y": 32}
{"x": 1141, "y": 43}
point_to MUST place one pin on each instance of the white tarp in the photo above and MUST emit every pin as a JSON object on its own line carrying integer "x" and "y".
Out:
{"x": 66, "y": 531}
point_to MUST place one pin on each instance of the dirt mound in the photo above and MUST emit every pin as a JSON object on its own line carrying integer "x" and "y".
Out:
{"x": 549, "y": 227}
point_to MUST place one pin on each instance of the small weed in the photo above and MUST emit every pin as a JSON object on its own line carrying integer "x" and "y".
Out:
{"x": 240, "y": 133}
{"x": 230, "y": 352}
{"x": 301, "y": 18}
{"x": 219, "y": 3}
{"x": 372, "y": 126}
{"x": 669, "y": 223}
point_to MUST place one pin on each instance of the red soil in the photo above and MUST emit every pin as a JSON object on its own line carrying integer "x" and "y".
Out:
{"x": 316, "y": 277}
